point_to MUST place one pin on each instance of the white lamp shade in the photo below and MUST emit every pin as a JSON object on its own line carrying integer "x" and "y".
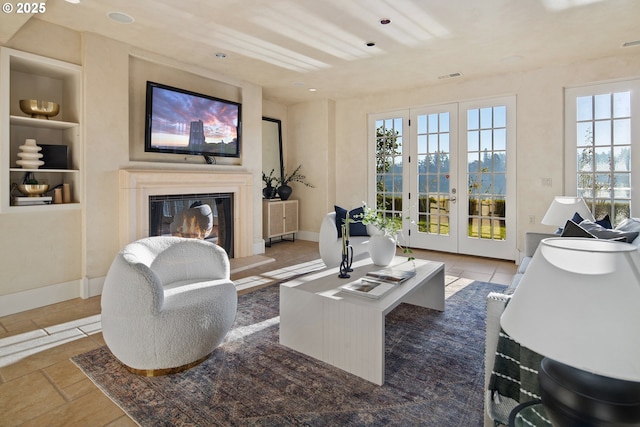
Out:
{"x": 579, "y": 304}
{"x": 563, "y": 208}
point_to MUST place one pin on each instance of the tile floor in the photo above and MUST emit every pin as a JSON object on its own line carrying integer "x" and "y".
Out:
{"x": 40, "y": 386}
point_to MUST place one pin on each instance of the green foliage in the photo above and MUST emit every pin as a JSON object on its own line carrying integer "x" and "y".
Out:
{"x": 387, "y": 223}
{"x": 295, "y": 176}
{"x": 270, "y": 179}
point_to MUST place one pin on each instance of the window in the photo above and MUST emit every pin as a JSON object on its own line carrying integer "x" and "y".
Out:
{"x": 600, "y": 134}
{"x": 434, "y": 157}
{"x": 487, "y": 171}
{"x": 389, "y": 165}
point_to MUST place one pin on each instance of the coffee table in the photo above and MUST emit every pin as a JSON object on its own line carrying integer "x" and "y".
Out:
{"x": 345, "y": 330}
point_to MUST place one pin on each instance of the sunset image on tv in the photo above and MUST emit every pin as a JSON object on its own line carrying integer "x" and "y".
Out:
{"x": 195, "y": 123}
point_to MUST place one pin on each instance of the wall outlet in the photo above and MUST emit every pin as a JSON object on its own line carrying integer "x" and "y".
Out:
{"x": 532, "y": 219}
{"x": 546, "y": 182}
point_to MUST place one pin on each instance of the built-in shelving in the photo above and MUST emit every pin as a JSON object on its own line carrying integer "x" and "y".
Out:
{"x": 27, "y": 76}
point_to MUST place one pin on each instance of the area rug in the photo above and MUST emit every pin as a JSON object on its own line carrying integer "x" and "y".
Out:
{"x": 434, "y": 374}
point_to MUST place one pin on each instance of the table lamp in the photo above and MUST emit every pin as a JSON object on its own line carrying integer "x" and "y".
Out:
{"x": 563, "y": 208}
{"x": 578, "y": 305}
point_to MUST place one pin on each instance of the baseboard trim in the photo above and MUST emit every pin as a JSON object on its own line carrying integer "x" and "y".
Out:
{"x": 40, "y": 297}
{"x": 94, "y": 287}
{"x": 308, "y": 235}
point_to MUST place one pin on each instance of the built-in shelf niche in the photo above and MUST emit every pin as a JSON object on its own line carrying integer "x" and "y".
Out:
{"x": 27, "y": 76}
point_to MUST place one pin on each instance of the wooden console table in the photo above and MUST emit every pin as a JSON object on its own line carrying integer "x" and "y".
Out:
{"x": 279, "y": 219}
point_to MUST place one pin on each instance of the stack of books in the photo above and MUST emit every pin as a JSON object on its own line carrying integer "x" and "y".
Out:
{"x": 377, "y": 283}
{"x": 30, "y": 201}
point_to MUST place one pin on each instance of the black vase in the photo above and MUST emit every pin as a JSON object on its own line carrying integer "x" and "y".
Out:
{"x": 284, "y": 191}
{"x": 268, "y": 192}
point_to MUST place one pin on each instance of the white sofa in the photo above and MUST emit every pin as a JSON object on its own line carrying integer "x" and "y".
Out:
{"x": 498, "y": 413}
{"x": 330, "y": 244}
{"x": 496, "y": 303}
{"x": 167, "y": 303}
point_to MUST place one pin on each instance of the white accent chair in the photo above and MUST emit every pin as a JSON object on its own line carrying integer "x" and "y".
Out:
{"x": 167, "y": 303}
{"x": 330, "y": 244}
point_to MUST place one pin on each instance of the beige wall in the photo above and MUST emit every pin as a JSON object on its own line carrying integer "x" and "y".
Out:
{"x": 540, "y": 133}
{"x": 311, "y": 138}
{"x": 329, "y": 139}
{"x": 40, "y": 251}
{"x": 106, "y": 138}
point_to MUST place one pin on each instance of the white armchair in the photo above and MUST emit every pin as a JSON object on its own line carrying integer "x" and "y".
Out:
{"x": 167, "y": 303}
{"x": 330, "y": 244}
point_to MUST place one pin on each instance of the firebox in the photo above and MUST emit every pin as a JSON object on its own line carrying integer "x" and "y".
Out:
{"x": 200, "y": 216}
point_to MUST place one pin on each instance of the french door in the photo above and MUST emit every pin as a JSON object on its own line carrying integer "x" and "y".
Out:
{"x": 447, "y": 170}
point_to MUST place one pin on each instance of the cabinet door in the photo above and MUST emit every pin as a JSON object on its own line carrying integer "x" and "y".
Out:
{"x": 276, "y": 224}
{"x": 291, "y": 216}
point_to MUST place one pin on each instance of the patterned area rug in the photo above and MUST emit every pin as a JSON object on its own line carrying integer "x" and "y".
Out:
{"x": 434, "y": 374}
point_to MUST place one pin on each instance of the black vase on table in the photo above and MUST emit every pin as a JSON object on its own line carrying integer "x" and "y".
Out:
{"x": 284, "y": 191}
{"x": 268, "y": 192}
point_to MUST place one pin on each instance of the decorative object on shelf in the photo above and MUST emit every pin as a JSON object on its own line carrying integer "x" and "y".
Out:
{"x": 29, "y": 155}
{"x": 31, "y": 187}
{"x": 39, "y": 109}
{"x": 577, "y": 305}
{"x": 55, "y": 156}
{"x": 269, "y": 192}
{"x": 33, "y": 190}
{"x": 382, "y": 244}
{"x": 284, "y": 190}
{"x": 66, "y": 193}
{"x": 57, "y": 196}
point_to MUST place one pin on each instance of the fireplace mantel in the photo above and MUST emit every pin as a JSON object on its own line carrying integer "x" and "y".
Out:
{"x": 137, "y": 185}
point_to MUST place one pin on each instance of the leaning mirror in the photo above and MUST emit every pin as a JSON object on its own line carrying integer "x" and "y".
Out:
{"x": 271, "y": 153}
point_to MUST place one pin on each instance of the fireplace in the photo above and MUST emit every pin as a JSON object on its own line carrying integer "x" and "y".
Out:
{"x": 138, "y": 186}
{"x": 206, "y": 216}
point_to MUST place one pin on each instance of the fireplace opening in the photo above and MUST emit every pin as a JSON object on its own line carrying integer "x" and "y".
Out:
{"x": 200, "y": 216}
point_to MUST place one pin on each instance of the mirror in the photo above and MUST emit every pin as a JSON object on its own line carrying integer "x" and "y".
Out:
{"x": 272, "y": 147}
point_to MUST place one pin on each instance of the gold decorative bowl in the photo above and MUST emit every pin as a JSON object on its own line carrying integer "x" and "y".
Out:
{"x": 39, "y": 109}
{"x": 33, "y": 190}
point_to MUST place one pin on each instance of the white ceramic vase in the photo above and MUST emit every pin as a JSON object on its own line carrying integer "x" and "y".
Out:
{"x": 382, "y": 249}
{"x": 29, "y": 155}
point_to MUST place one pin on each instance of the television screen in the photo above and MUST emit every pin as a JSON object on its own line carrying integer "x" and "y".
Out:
{"x": 183, "y": 122}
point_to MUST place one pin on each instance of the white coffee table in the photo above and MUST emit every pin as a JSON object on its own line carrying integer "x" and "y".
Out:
{"x": 348, "y": 331}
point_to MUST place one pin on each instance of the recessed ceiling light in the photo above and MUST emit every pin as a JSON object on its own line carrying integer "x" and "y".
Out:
{"x": 73, "y": 1}
{"x": 385, "y": 21}
{"x": 221, "y": 55}
{"x": 313, "y": 89}
{"x": 121, "y": 18}
{"x": 370, "y": 44}
{"x": 633, "y": 43}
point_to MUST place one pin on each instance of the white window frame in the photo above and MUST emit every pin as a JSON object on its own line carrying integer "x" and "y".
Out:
{"x": 571, "y": 94}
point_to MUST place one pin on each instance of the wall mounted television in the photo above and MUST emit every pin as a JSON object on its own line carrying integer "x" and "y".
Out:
{"x": 182, "y": 122}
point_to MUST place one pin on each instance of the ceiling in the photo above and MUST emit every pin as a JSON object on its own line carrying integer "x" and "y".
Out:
{"x": 291, "y": 46}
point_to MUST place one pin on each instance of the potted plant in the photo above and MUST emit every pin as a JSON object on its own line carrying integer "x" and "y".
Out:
{"x": 284, "y": 190}
{"x": 269, "y": 192}
{"x": 382, "y": 245}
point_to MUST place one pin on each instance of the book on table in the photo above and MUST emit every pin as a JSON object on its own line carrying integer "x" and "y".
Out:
{"x": 375, "y": 284}
{"x": 391, "y": 275}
